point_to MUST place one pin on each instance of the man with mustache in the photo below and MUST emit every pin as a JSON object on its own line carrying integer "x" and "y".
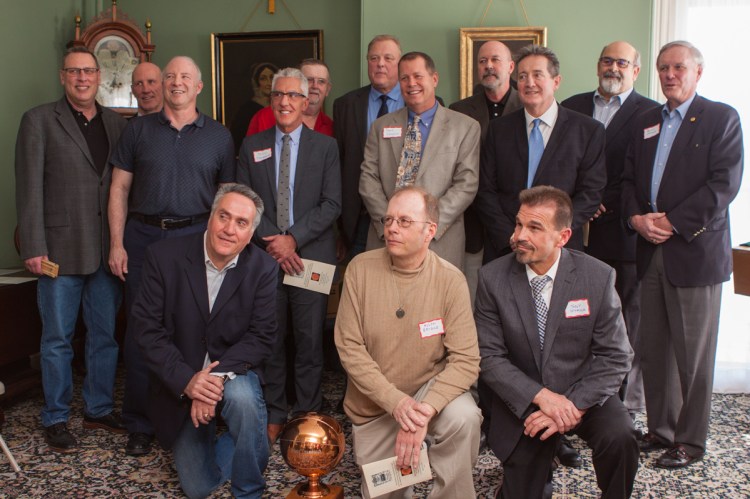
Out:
{"x": 616, "y": 104}
{"x": 314, "y": 118}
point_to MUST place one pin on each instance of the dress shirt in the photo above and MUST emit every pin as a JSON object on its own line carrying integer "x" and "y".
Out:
{"x": 670, "y": 125}
{"x": 551, "y": 273}
{"x": 425, "y": 122}
{"x": 546, "y": 124}
{"x": 604, "y": 111}
{"x": 395, "y": 102}
{"x": 293, "y": 149}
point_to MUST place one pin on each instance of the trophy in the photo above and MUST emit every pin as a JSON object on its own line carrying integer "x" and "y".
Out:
{"x": 313, "y": 444}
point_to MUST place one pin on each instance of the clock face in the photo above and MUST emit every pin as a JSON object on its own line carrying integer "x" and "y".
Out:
{"x": 116, "y": 60}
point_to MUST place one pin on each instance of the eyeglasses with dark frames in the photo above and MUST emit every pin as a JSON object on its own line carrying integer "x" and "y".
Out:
{"x": 77, "y": 71}
{"x": 276, "y": 95}
{"x": 608, "y": 61}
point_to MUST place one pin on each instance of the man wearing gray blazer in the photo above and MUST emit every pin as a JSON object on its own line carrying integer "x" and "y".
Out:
{"x": 554, "y": 352}
{"x": 62, "y": 188}
{"x": 296, "y": 172}
{"x": 444, "y": 161}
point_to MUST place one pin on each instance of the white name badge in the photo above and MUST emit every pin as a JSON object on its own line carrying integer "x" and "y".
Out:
{"x": 651, "y": 131}
{"x": 431, "y": 328}
{"x": 577, "y": 308}
{"x": 261, "y": 155}
{"x": 391, "y": 132}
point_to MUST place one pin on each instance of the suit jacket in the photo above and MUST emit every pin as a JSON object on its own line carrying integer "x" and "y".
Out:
{"x": 449, "y": 169}
{"x": 609, "y": 238}
{"x": 61, "y": 198}
{"x": 476, "y": 107}
{"x": 573, "y": 161}
{"x": 317, "y": 191}
{"x": 702, "y": 176}
{"x": 585, "y": 358}
{"x": 174, "y": 328}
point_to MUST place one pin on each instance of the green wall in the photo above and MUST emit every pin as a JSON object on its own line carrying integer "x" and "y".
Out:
{"x": 36, "y": 32}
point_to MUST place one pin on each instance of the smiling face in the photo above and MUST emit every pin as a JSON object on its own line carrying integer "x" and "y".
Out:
{"x": 537, "y": 241}
{"x": 230, "y": 228}
{"x": 147, "y": 87}
{"x": 417, "y": 84}
{"x": 614, "y": 80}
{"x": 536, "y": 86}
{"x": 80, "y": 89}
{"x": 382, "y": 65}
{"x": 287, "y": 109}
{"x": 181, "y": 84}
{"x": 679, "y": 75}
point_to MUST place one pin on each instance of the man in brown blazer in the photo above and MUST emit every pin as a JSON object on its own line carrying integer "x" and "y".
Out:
{"x": 445, "y": 161}
{"x": 62, "y": 188}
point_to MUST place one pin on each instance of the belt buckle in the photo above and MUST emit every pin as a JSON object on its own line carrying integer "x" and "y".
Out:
{"x": 163, "y": 223}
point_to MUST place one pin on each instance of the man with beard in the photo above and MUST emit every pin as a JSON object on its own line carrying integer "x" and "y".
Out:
{"x": 616, "y": 104}
{"x": 319, "y": 86}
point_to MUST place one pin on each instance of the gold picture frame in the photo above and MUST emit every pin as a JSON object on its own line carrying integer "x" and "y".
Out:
{"x": 472, "y": 39}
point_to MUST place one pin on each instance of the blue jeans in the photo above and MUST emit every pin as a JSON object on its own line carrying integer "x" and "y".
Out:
{"x": 59, "y": 300}
{"x": 205, "y": 462}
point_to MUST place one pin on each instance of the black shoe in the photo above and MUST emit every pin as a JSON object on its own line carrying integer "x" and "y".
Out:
{"x": 59, "y": 439}
{"x": 110, "y": 423}
{"x": 676, "y": 457}
{"x": 648, "y": 442}
{"x": 139, "y": 444}
{"x": 567, "y": 455}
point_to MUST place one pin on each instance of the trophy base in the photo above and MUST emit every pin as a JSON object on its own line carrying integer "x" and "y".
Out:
{"x": 301, "y": 492}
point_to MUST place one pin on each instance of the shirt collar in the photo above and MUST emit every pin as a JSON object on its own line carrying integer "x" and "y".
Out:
{"x": 548, "y": 118}
{"x": 427, "y": 116}
{"x": 209, "y": 264}
{"x": 622, "y": 97}
{"x": 294, "y": 134}
{"x": 552, "y": 272}
{"x": 681, "y": 109}
{"x": 393, "y": 94}
{"x": 199, "y": 121}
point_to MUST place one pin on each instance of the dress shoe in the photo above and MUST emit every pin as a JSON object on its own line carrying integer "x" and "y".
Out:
{"x": 676, "y": 457}
{"x": 139, "y": 444}
{"x": 649, "y": 442}
{"x": 567, "y": 455}
{"x": 274, "y": 430}
{"x": 109, "y": 422}
{"x": 59, "y": 439}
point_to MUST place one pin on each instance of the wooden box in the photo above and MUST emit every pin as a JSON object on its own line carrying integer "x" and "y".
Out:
{"x": 741, "y": 257}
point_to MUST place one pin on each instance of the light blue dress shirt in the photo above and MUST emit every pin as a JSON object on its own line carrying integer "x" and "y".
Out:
{"x": 394, "y": 103}
{"x": 425, "y": 122}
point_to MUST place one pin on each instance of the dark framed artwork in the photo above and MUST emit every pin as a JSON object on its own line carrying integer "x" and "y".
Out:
{"x": 473, "y": 38}
{"x": 242, "y": 65}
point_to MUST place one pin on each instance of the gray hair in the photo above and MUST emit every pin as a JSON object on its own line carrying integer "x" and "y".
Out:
{"x": 242, "y": 190}
{"x": 291, "y": 73}
{"x": 553, "y": 63}
{"x": 187, "y": 58}
{"x": 384, "y": 38}
{"x": 694, "y": 52}
{"x": 79, "y": 50}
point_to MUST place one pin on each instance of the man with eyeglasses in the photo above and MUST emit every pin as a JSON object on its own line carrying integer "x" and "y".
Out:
{"x": 62, "y": 188}
{"x": 167, "y": 168}
{"x": 295, "y": 171}
{"x": 616, "y": 104}
{"x": 314, "y": 118}
{"x": 406, "y": 337}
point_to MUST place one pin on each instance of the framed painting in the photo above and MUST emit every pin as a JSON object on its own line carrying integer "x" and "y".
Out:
{"x": 243, "y": 65}
{"x": 473, "y": 38}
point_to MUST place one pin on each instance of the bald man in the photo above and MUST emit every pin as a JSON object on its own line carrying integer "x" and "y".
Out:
{"x": 146, "y": 87}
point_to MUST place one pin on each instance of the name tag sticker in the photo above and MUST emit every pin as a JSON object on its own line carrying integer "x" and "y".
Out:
{"x": 261, "y": 155}
{"x": 651, "y": 131}
{"x": 577, "y": 308}
{"x": 391, "y": 132}
{"x": 431, "y": 328}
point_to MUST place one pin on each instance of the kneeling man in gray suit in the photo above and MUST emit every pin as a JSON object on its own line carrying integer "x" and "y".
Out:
{"x": 554, "y": 352}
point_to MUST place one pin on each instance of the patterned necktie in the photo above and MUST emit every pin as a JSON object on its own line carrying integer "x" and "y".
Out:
{"x": 537, "y": 284}
{"x": 283, "y": 194}
{"x": 383, "y": 105}
{"x": 411, "y": 154}
{"x": 536, "y": 149}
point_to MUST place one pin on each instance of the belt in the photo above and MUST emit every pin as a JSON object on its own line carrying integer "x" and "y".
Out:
{"x": 168, "y": 223}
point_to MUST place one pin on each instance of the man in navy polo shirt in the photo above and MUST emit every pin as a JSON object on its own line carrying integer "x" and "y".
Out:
{"x": 167, "y": 168}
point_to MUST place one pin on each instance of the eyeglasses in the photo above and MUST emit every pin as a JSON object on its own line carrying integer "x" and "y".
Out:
{"x": 401, "y": 222}
{"x": 276, "y": 95}
{"x": 608, "y": 61}
{"x": 77, "y": 71}
{"x": 320, "y": 81}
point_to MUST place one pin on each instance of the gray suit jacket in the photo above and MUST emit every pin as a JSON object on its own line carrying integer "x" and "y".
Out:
{"x": 61, "y": 198}
{"x": 449, "y": 169}
{"x": 585, "y": 358}
{"x": 317, "y": 191}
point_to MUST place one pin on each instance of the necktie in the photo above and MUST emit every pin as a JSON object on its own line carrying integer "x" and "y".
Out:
{"x": 411, "y": 154}
{"x": 536, "y": 149}
{"x": 383, "y": 105}
{"x": 537, "y": 284}
{"x": 283, "y": 194}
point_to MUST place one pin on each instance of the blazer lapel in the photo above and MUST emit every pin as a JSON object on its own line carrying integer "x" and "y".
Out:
{"x": 270, "y": 163}
{"x": 360, "y": 115}
{"x": 519, "y": 285}
{"x": 232, "y": 281}
{"x": 304, "y": 151}
{"x": 555, "y": 139}
{"x": 68, "y": 123}
{"x": 622, "y": 117}
{"x": 683, "y": 139}
{"x": 399, "y": 118}
{"x": 522, "y": 144}
{"x": 438, "y": 129}
{"x": 561, "y": 290}
{"x": 195, "y": 270}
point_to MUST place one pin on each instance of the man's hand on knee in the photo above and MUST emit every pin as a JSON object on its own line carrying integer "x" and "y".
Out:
{"x": 411, "y": 415}
{"x": 539, "y": 422}
{"x": 559, "y": 409}
{"x": 204, "y": 387}
{"x": 201, "y": 413}
{"x": 408, "y": 447}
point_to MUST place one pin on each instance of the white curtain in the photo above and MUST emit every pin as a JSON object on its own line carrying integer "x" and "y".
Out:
{"x": 721, "y": 30}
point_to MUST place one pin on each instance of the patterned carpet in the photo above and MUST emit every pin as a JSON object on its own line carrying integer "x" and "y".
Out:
{"x": 100, "y": 469}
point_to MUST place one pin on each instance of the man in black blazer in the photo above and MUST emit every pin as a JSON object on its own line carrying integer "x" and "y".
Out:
{"x": 62, "y": 188}
{"x": 303, "y": 228}
{"x": 572, "y": 159}
{"x": 616, "y": 104}
{"x": 353, "y": 114}
{"x": 555, "y": 355}
{"x": 682, "y": 170}
{"x": 205, "y": 322}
